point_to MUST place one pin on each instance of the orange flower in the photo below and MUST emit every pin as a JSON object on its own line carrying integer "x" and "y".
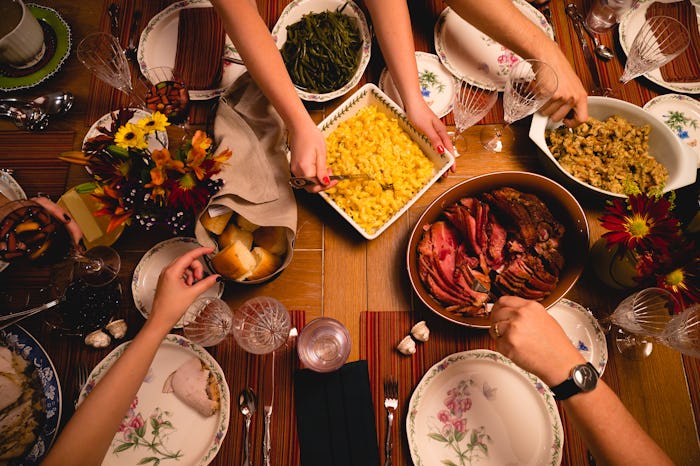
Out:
{"x": 164, "y": 160}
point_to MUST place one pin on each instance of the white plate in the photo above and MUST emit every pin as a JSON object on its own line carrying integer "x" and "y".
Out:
{"x": 143, "y": 284}
{"x": 437, "y": 85}
{"x": 106, "y": 121}
{"x": 368, "y": 95}
{"x": 488, "y": 400}
{"x": 680, "y": 113}
{"x": 158, "y": 46}
{"x": 473, "y": 56}
{"x": 13, "y": 191}
{"x": 293, "y": 12}
{"x": 583, "y": 330}
{"x": 23, "y": 343}
{"x": 197, "y": 438}
{"x": 630, "y": 23}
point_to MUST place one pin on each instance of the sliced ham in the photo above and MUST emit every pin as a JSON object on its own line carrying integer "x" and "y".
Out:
{"x": 194, "y": 384}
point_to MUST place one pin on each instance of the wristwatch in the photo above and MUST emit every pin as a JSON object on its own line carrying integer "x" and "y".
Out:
{"x": 583, "y": 378}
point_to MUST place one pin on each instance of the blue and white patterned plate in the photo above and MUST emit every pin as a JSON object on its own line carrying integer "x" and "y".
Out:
{"x": 23, "y": 343}
{"x": 680, "y": 113}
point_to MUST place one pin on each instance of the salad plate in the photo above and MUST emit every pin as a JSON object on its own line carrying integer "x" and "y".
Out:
{"x": 22, "y": 343}
{"x": 57, "y": 36}
{"x": 437, "y": 85}
{"x": 143, "y": 284}
{"x": 680, "y": 113}
{"x": 177, "y": 432}
{"x": 480, "y": 407}
{"x": 630, "y": 23}
{"x": 158, "y": 46}
{"x": 473, "y": 56}
{"x": 583, "y": 330}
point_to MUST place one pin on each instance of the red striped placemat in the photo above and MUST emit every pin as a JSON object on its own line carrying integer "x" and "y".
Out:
{"x": 379, "y": 334}
{"x": 686, "y": 66}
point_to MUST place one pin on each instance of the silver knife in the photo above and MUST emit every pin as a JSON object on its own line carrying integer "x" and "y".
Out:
{"x": 577, "y": 19}
{"x": 269, "y": 394}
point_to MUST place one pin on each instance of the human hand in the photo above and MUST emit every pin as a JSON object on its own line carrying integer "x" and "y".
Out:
{"x": 308, "y": 147}
{"x": 532, "y": 339}
{"x": 425, "y": 120}
{"x": 179, "y": 284}
{"x": 56, "y": 211}
{"x": 569, "y": 103}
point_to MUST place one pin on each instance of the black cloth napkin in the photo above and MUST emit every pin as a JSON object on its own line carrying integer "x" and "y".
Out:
{"x": 335, "y": 417}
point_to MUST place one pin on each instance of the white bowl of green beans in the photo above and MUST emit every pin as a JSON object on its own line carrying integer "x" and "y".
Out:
{"x": 326, "y": 46}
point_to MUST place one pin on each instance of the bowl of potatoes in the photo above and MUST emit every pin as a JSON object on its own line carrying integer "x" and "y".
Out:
{"x": 246, "y": 252}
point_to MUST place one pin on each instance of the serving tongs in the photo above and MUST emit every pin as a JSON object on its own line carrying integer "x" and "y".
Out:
{"x": 300, "y": 182}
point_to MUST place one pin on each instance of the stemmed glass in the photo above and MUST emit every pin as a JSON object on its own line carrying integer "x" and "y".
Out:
{"x": 471, "y": 104}
{"x": 640, "y": 317}
{"x": 530, "y": 84}
{"x": 167, "y": 93}
{"x": 659, "y": 40}
{"x": 102, "y": 54}
{"x": 682, "y": 332}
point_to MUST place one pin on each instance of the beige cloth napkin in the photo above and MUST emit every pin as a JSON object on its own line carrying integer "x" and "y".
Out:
{"x": 256, "y": 177}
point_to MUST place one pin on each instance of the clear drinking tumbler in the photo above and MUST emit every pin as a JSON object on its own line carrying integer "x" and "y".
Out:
{"x": 605, "y": 13}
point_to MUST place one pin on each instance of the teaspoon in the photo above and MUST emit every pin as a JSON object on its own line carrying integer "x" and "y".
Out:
{"x": 601, "y": 50}
{"x": 246, "y": 404}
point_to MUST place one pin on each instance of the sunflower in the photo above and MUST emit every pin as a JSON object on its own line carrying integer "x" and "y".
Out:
{"x": 130, "y": 136}
{"x": 641, "y": 224}
{"x": 153, "y": 123}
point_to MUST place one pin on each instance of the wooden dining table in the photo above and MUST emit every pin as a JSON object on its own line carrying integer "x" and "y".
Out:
{"x": 334, "y": 271}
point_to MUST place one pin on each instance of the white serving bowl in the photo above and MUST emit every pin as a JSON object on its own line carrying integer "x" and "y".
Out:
{"x": 664, "y": 146}
{"x": 368, "y": 95}
{"x": 294, "y": 12}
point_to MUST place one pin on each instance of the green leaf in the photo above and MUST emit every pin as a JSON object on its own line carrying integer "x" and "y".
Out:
{"x": 449, "y": 463}
{"x": 459, "y": 436}
{"x": 154, "y": 424}
{"x": 141, "y": 431}
{"x": 484, "y": 448}
{"x": 149, "y": 459}
{"x": 86, "y": 188}
{"x": 474, "y": 437}
{"x": 437, "y": 437}
{"x": 123, "y": 447}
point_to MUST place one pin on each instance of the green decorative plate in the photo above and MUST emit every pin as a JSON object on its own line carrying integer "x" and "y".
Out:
{"x": 58, "y": 45}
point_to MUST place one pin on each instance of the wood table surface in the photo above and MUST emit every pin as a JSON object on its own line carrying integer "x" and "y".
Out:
{"x": 337, "y": 273}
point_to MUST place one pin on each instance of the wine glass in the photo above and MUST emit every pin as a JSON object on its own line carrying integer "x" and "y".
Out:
{"x": 640, "y": 317}
{"x": 471, "y": 104}
{"x": 530, "y": 84}
{"x": 30, "y": 232}
{"x": 167, "y": 93}
{"x": 208, "y": 321}
{"x": 682, "y": 332}
{"x": 261, "y": 325}
{"x": 102, "y": 54}
{"x": 659, "y": 40}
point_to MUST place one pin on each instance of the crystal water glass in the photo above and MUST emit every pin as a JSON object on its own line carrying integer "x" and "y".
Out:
{"x": 682, "y": 332}
{"x": 261, "y": 325}
{"x": 324, "y": 345}
{"x": 471, "y": 104}
{"x": 207, "y": 321}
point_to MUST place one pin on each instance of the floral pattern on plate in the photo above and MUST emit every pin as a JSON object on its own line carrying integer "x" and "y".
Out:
{"x": 681, "y": 114}
{"x": 158, "y": 426}
{"x": 583, "y": 330}
{"x": 477, "y": 407}
{"x": 437, "y": 85}
{"x": 23, "y": 343}
{"x": 473, "y": 56}
{"x": 145, "y": 279}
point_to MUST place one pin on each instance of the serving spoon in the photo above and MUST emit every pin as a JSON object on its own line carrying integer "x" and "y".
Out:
{"x": 246, "y": 405}
{"x": 603, "y": 51}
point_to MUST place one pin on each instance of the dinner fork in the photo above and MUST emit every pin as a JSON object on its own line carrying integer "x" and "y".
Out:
{"x": 391, "y": 402}
{"x": 83, "y": 374}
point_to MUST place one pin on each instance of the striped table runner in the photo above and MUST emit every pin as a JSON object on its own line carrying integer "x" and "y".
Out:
{"x": 379, "y": 334}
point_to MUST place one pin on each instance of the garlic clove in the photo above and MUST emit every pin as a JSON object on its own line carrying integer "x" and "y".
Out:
{"x": 420, "y": 331}
{"x": 406, "y": 346}
{"x": 98, "y": 339}
{"x": 117, "y": 328}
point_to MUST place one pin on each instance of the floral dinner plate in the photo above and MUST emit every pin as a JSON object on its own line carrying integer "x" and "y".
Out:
{"x": 143, "y": 284}
{"x": 478, "y": 407}
{"x": 437, "y": 85}
{"x": 473, "y": 56}
{"x": 583, "y": 330}
{"x": 175, "y": 431}
{"x": 106, "y": 120}
{"x": 18, "y": 340}
{"x": 680, "y": 113}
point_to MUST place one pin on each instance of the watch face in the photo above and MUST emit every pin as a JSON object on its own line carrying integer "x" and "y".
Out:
{"x": 585, "y": 377}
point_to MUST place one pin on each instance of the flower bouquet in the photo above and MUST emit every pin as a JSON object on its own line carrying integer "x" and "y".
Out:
{"x": 150, "y": 187}
{"x": 643, "y": 230}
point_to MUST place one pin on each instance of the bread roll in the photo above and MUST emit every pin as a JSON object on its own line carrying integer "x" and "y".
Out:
{"x": 215, "y": 224}
{"x": 234, "y": 261}
{"x": 266, "y": 263}
{"x": 245, "y": 224}
{"x": 274, "y": 239}
{"x": 233, "y": 233}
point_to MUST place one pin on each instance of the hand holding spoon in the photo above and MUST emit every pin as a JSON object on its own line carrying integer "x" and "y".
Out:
{"x": 246, "y": 404}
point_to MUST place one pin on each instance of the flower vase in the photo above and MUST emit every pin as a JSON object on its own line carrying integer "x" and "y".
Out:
{"x": 615, "y": 267}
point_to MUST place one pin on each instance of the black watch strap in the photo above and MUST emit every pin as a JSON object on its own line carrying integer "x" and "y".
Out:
{"x": 570, "y": 387}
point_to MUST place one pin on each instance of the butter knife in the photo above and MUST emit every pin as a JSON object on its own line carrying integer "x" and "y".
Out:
{"x": 577, "y": 20}
{"x": 268, "y": 394}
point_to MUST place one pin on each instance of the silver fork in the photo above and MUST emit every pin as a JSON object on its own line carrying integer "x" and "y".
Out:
{"x": 391, "y": 402}
{"x": 83, "y": 374}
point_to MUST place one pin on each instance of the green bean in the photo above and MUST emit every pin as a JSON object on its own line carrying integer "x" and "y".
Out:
{"x": 322, "y": 51}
